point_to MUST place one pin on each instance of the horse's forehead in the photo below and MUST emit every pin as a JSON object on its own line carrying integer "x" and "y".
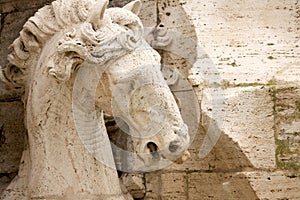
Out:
{"x": 143, "y": 56}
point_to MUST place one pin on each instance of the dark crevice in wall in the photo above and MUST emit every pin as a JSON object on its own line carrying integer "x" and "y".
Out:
{"x": 120, "y": 3}
{"x": 2, "y": 18}
{"x": 8, "y": 175}
{"x": 187, "y": 186}
{"x": 10, "y": 100}
{"x": 158, "y": 20}
{"x": 5, "y": 179}
{"x": 19, "y": 6}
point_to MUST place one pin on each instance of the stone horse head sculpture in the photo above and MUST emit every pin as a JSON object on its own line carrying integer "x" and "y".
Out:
{"x": 77, "y": 60}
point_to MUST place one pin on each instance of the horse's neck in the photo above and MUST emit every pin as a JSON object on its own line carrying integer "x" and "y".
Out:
{"x": 48, "y": 115}
{"x": 55, "y": 147}
{"x": 48, "y": 100}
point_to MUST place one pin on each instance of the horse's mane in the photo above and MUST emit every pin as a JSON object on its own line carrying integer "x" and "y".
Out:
{"x": 57, "y": 16}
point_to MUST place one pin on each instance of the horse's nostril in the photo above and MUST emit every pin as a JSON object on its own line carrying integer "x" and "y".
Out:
{"x": 173, "y": 147}
{"x": 153, "y": 150}
{"x": 152, "y": 146}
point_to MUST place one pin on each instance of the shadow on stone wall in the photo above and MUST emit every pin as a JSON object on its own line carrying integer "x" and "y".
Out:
{"x": 218, "y": 176}
{"x": 12, "y": 140}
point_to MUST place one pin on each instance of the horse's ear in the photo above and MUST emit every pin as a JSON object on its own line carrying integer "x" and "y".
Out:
{"x": 97, "y": 13}
{"x": 134, "y": 6}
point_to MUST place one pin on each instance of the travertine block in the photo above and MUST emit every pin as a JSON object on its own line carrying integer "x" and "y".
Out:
{"x": 173, "y": 186}
{"x": 249, "y": 122}
{"x": 226, "y": 155}
{"x": 274, "y": 185}
{"x": 219, "y": 186}
{"x": 245, "y": 124}
{"x": 134, "y": 184}
{"x": 148, "y": 13}
{"x": 153, "y": 185}
{"x": 247, "y": 118}
{"x": 287, "y": 124}
{"x": 244, "y": 41}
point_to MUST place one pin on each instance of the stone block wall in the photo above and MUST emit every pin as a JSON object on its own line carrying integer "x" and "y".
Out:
{"x": 252, "y": 90}
{"x": 247, "y": 76}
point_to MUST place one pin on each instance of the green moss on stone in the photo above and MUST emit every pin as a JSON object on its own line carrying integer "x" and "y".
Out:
{"x": 284, "y": 159}
{"x": 255, "y": 84}
{"x": 271, "y": 57}
{"x": 272, "y": 82}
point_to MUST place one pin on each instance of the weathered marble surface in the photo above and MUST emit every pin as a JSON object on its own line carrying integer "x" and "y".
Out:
{"x": 255, "y": 48}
